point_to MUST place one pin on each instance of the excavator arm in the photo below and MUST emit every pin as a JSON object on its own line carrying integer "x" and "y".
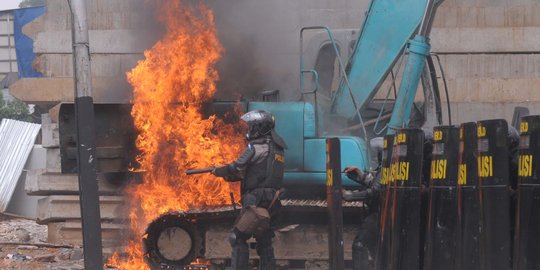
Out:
{"x": 388, "y": 30}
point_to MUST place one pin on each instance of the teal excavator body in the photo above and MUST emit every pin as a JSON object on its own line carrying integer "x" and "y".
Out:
{"x": 387, "y": 32}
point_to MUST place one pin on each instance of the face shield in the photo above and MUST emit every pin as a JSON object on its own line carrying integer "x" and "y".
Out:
{"x": 254, "y": 116}
{"x": 259, "y": 123}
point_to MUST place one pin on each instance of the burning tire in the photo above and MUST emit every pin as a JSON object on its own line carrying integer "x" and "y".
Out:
{"x": 171, "y": 241}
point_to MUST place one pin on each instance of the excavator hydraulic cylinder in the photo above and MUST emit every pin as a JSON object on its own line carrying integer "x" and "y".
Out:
{"x": 418, "y": 51}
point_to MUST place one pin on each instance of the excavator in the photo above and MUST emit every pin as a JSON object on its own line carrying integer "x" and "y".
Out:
{"x": 392, "y": 47}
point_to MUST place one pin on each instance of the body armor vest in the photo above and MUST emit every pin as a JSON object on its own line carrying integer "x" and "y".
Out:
{"x": 267, "y": 173}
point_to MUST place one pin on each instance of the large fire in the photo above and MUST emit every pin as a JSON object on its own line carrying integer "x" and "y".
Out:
{"x": 169, "y": 87}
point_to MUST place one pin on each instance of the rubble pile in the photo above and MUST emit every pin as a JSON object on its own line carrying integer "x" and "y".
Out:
{"x": 23, "y": 245}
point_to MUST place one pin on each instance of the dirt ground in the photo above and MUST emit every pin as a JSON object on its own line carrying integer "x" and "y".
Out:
{"x": 23, "y": 245}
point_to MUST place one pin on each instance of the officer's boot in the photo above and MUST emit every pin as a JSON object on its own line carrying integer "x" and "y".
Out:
{"x": 265, "y": 251}
{"x": 240, "y": 252}
{"x": 360, "y": 256}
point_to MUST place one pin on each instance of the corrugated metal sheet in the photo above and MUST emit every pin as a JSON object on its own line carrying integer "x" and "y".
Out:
{"x": 16, "y": 141}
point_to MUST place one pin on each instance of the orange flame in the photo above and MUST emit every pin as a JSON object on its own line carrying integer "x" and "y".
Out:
{"x": 170, "y": 85}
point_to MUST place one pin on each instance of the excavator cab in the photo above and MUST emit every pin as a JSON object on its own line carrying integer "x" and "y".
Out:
{"x": 324, "y": 78}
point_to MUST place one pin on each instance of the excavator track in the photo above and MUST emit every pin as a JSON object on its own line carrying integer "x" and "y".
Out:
{"x": 199, "y": 238}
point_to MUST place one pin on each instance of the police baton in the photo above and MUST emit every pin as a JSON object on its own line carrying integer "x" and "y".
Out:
{"x": 199, "y": 171}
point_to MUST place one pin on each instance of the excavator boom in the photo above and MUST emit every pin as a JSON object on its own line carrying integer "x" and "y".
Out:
{"x": 388, "y": 27}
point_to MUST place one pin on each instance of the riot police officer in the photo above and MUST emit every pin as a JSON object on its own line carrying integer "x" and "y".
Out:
{"x": 365, "y": 243}
{"x": 260, "y": 170}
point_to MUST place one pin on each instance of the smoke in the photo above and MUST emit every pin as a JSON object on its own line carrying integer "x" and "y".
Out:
{"x": 261, "y": 41}
{"x": 243, "y": 31}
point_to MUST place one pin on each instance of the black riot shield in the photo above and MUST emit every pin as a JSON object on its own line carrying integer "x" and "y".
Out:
{"x": 406, "y": 178}
{"x": 493, "y": 182}
{"x": 440, "y": 245}
{"x": 468, "y": 210}
{"x": 527, "y": 234}
{"x": 383, "y": 245}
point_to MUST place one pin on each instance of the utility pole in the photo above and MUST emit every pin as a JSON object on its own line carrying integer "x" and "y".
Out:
{"x": 86, "y": 138}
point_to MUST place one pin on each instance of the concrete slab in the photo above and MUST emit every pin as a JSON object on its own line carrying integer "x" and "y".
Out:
{"x": 103, "y": 65}
{"x": 483, "y": 3}
{"x": 486, "y": 90}
{"x": 70, "y": 233}
{"x": 485, "y": 40}
{"x": 109, "y": 159}
{"x": 101, "y": 41}
{"x": 474, "y": 111}
{"x": 50, "y": 91}
{"x": 54, "y": 113}
{"x": 61, "y": 208}
{"x": 496, "y": 66}
{"x": 118, "y": 14}
{"x": 488, "y": 15}
{"x": 43, "y": 183}
{"x": 53, "y": 160}
{"x": 50, "y": 137}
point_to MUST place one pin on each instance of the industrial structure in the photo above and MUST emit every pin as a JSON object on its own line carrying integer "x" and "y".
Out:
{"x": 8, "y": 60}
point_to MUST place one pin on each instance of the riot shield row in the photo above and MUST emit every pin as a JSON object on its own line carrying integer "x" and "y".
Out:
{"x": 467, "y": 203}
{"x": 401, "y": 207}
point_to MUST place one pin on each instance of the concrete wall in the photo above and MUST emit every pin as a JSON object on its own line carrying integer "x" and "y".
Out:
{"x": 490, "y": 54}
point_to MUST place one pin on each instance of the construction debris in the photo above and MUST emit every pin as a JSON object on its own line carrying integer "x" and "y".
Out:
{"x": 23, "y": 246}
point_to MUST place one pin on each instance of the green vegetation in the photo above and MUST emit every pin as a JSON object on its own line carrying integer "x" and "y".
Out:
{"x": 32, "y": 3}
{"x": 15, "y": 109}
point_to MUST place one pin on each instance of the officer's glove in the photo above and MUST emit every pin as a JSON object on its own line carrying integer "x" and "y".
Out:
{"x": 355, "y": 195}
{"x": 354, "y": 173}
{"x": 223, "y": 171}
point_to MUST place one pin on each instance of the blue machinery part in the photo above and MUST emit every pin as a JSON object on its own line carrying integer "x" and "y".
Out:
{"x": 387, "y": 28}
{"x": 385, "y": 33}
{"x": 418, "y": 51}
{"x": 375, "y": 53}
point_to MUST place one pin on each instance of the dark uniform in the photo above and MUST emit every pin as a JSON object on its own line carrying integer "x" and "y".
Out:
{"x": 364, "y": 244}
{"x": 260, "y": 169}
